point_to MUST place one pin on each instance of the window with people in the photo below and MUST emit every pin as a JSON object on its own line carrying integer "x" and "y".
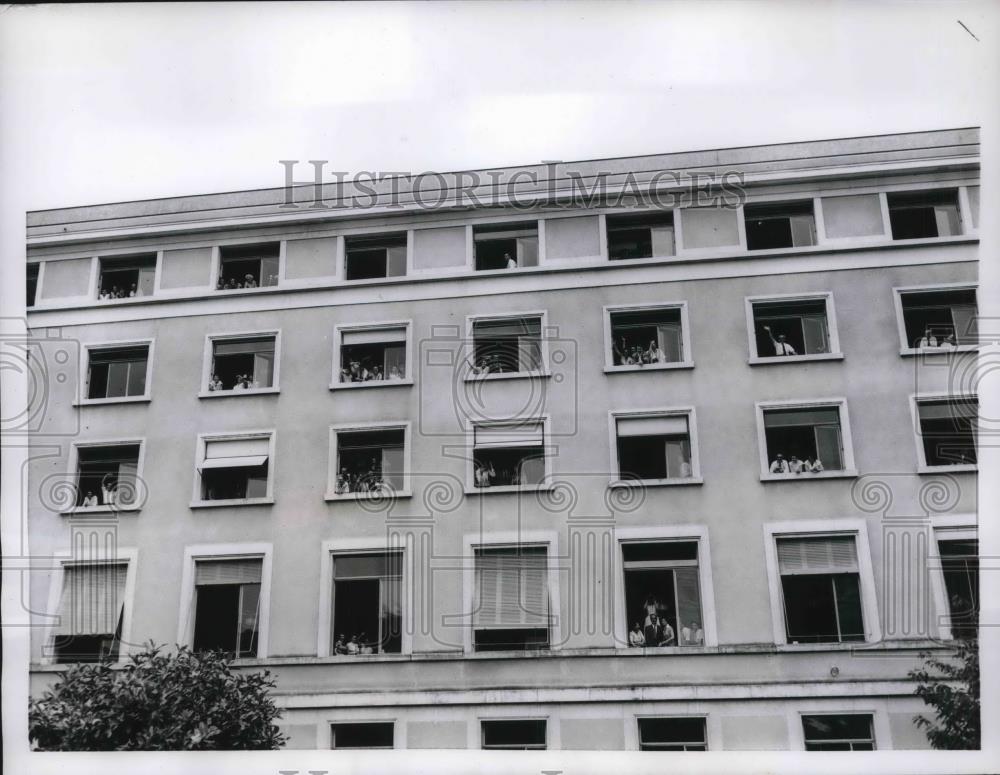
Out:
{"x": 505, "y": 246}
{"x": 126, "y": 277}
{"x": 242, "y": 267}
{"x": 784, "y": 225}
{"x": 367, "y": 603}
{"x": 370, "y": 461}
{"x": 654, "y": 447}
{"x": 924, "y": 214}
{"x": 948, "y": 430}
{"x": 940, "y": 319}
{"x": 803, "y": 441}
{"x": 227, "y": 606}
{"x": 511, "y": 599}
{"x": 90, "y": 614}
{"x": 372, "y": 355}
{"x": 235, "y": 469}
{"x": 242, "y": 363}
{"x": 106, "y": 476}
{"x": 508, "y": 455}
{"x": 648, "y": 337}
{"x": 790, "y": 328}
{"x": 662, "y": 594}
{"x": 960, "y": 568}
{"x": 376, "y": 256}
{"x": 649, "y": 235}
{"x": 117, "y": 372}
{"x": 507, "y": 346}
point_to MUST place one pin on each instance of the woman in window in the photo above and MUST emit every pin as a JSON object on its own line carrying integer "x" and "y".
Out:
{"x": 635, "y": 638}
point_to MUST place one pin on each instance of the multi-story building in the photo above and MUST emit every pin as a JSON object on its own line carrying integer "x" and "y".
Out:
{"x": 444, "y": 453}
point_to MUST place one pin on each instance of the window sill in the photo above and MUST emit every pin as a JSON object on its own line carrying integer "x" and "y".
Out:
{"x": 846, "y": 474}
{"x": 371, "y": 384}
{"x": 962, "y": 348}
{"x": 127, "y": 300}
{"x": 99, "y": 510}
{"x": 649, "y": 367}
{"x": 957, "y": 468}
{"x": 332, "y": 497}
{"x": 509, "y": 488}
{"x": 231, "y": 502}
{"x": 624, "y": 484}
{"x": 764, "y": 361}
{"x": 118, "y": 400}
{"x": 238, "y": 393}
{"x": 258, "y": 289}
{"x": 508, "y": 375}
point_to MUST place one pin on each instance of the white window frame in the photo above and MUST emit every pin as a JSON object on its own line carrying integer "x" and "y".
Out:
{"x": 549, "y": 539}
{"x": 849, "y": 470}
{"x": 332, "y": 465}
{"x": 235, "y": 551}
{"x": 217, "y": 266}
{"x": 128, "y": 556}
{"x": 85, "y": 352}
{"x": 835, "y": 353}
{"x": 713, "y": 722}
{"x": 929, "y": 189}
{"x": 637, "y": 211}
{"x": 845, "y": 527}
{"x": 207, "y": 359}
{"x": 95, "y": 276}
{"x": 682, "y": 306}
{"x": 543, "y": 339}
{"x": 671, "y": 411}
{"x": 950, "y": 527}
{"x": 470, "y": 243}
{"x": 338, "y": 332}
{"x": 779, "y": 201}
{"x": 660, "y": 535}
{"x": 199, "y": 456}
{"x": 904, "y": 345}
{"x": 519, "y": 716}
{"x": 547, "y": 456}
{"x": 341, "y": 546}
{"x": 74, "y": 477}
{"x": 341, "y": 272}
{"x": 845, "y": 706}
{"x": 915, "y": 400}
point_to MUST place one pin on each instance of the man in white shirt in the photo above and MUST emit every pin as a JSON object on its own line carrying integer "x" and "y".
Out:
{"x": 779, "y": 465}
{"x": 928, "y": 339}
{"x": 692, "y": 635}
{"x": 794, "y": 465}
{"x": 781, "y": 347}
{"x": 90, "y": 500}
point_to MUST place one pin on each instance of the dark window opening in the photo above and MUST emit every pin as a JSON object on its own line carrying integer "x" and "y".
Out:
{"x": 367, "y": 604}
{"x": 823, "y": 608}
{"x": 226, "y": 618}
{"x": 248, "y": 266}
{"x": 242, "y": 364}
{"x": 236, "y": 482}
{"x": 640, "y": 236}
{"x": 123, "y": 278}
{"x": 852, "y": 732}
{"x": 507, "y": 346}
{"x": 662, "y": 594}
{"x": 367, "y": 461}
{"x": 948, "y": 431}
{"x": 803, "y": 441}
{"x": 654, "y": 448}
{"x": 31, "y": 284}
{"x": 106, "y": 476}
{"x": 791, "y": 328}
{"x": 960, "y": 566}
{"x": 942, "y": 319}
{"x": 507, "y": 246}
{"x": 514, "y": 735}
{"x": 86, "y": 648}
{"x": 924, "y": 214}
{"x": 117, "y": 372}
{"x": 790, "y": 225}
{"x": 672, "y": 734}
{"x": 512, "y": 640}
{"x": 368, "y": 258}
{"x": 646, "y": 337}
{"x": 372, "y": 734}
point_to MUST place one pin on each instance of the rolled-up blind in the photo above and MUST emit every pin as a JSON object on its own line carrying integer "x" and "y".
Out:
{"x": 786, "y": 418}
{"x": 236, "y": 448}
{"x": 526, "y": 435}
{"x": 949, "y": 410}
{"x": 245, "y": 570}
{"x": 511, "y": 588}
{"x": 828, "y": 554}
{"x": 245, "y": 346}
{"x": 374, "y": 336}
{"x": 93, "y": 598}
{"x": 676, "y": 425}
{"x": 516, "y": 327}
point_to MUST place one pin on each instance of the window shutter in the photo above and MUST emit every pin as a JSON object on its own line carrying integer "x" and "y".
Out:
{"x": 676, "y": 425}
{"x": 829, "y": 554}
{"x": 93, "y": 598}
{"x": 235, "y": 453}
{"x": 240, "y": 571}
{"x": 803, "y": 230}
{"x": 815, "y": 334}
{"x": 513, "y": 327}
{"x": 790, "y": 418}
{"x": 526, "y": 435}
{"x": 244, "y": 346}
{"x": 669, "y": 341}
{"x": 829, "y": 447}
{"x": 373, "y": 336}
{"x": 949, "y": 410}
{"x": 511, "y": 589}
{"x": 688, "y": 597}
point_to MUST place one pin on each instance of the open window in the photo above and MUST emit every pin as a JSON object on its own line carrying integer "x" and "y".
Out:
{"x": 654, "y": 448}
{"x": 506, "y": 246}
{"x": 924, "y": 214}
{"x": 821, "y": 589}
{"x": 362, "y": 734}
{"x": 939, "y": 319}
{"x": 248, "y": 266}
{"x": 514, "y": 734}
{"x": 786, "y": 225}
{"x": 960, "y": 568}
{"x": 371, "y": 355}
{"x": 662, "y": 593}
{"x": 508, "y": 454}
{"x": 126, "y": 278}
{"x": 235, "y": 469}
{"x": 227, "y": 605}
{"x": 948, "y": 431}
{"x": 117, "y": 371}
{"x": 785, "y": 328}
{"x": 369, "y": 461}
{"x": 31, "y": 285}
{"x": 650, "y": 235}
{"x": 91, "y": 612}
{"x": 106, "y": 475}
{"x": 511, "y": 603}
{"x": 683, "y": 733}
{"x": 242, "y": 363}
{"x": 372, "y": 257}
{"x": 804, "y": 441}
{"x": 647, "y": 337}
{"x": 839, "y": 732}
{"x": 510, "y": 345}
{"x": 367, "y": 603}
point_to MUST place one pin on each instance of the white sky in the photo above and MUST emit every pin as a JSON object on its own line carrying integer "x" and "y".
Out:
{"x": 110, "y": 103}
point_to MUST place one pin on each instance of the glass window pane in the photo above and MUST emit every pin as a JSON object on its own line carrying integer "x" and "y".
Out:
{"x": 117, "y": 379}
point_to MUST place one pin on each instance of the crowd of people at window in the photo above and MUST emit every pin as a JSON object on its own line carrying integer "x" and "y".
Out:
{"x": 108, "y": 496}
{"x": 930, "y": 339}
{"x": 369, "y": 480}
{"x": 242, "y": 382}
{"x": 356, "y": 371}
{"x": 248, "y": 281}
{"x": 491, "y": 363}
{"x": 656, "y": 629}
{"x": 793, "y": 465}
{"x": 636, "y": 355}
{"x": 116, "y": 292}
{"x": 357, "y": 645}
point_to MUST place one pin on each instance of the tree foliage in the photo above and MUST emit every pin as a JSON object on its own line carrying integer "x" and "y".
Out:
{"x": 157, "y": 702}
{"x": 952, "y": 688}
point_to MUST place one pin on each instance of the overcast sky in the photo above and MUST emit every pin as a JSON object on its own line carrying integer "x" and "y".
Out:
{"x": 110, "y": 103}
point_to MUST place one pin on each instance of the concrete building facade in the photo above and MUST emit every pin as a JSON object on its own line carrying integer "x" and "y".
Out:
{"x": 493, "y": 516}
